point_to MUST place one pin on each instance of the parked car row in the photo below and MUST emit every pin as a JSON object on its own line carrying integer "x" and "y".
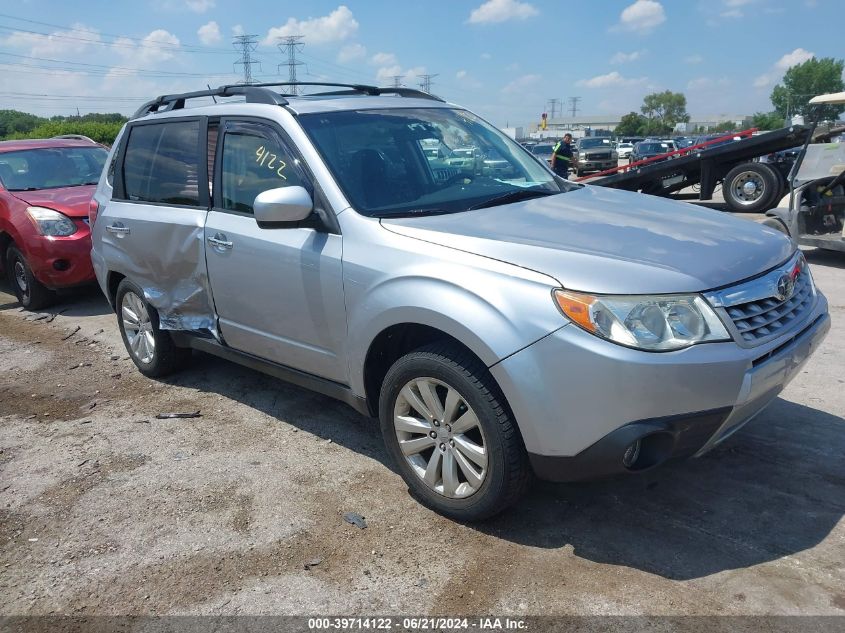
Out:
{"x": 317, "y": 240}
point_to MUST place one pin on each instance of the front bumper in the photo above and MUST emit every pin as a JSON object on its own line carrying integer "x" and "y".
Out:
{"x": 580, "y": 401}
{"x": 596, "y": 165}
{"x": 61, "y": 262}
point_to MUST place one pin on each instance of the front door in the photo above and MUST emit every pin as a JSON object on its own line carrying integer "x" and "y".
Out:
{"x": 278, "y": 292}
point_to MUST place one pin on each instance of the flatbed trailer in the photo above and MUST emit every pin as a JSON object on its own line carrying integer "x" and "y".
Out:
{"x": 748, "y": 185}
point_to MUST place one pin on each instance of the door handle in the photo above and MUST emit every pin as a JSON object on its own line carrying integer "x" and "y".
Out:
{"x": 118, "y": 229}
{"x": 220, "y": 242}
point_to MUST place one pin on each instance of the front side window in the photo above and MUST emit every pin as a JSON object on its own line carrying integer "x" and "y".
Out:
{"x": 162, "y": 163}
{"x": 424, "y": 160}
{"x": 253, "y": 162}
{"x": 51, "y": 168}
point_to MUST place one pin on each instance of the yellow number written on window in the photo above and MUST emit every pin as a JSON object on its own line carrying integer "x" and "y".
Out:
{"x": 270, "y": 161}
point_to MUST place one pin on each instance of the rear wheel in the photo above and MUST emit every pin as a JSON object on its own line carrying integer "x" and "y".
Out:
{"x": 446, "y": 425}
{"x": 750, "y": 188}
{"x": 32, "y": 294}
{"x": 150, "y": 348}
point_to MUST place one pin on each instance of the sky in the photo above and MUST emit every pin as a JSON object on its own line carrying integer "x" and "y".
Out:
{"x": 504, "y": 59}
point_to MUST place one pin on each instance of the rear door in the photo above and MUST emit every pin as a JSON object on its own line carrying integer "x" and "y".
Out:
{"x": 278, "y": 292}
{"x": 151, "y": 230}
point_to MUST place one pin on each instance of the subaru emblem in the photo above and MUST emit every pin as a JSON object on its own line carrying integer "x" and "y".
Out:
{"x": 785, "y": 287}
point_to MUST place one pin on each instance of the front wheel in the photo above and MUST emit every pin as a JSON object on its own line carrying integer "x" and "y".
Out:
{"x": 151, "y": 349}
{"x": 32, "y": 294}
{"x": 750, "y": 188}
{"x": 446, "y": 425}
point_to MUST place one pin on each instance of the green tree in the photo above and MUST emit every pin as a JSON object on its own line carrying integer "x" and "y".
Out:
{"x": 16, "y": 122}
{"x": 767, "y": 120}
{"x": 803, "y": 82}
{"x": 631, "y": 125}
{"x": 667, "y": 107}
{"x": 724, "y": 126}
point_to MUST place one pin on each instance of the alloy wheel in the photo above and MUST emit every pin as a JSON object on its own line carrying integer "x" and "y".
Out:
{"x": 138, "y": 328}
{"x": 748, "y": 187}
{"x": 20, "y": 279}
{"x": 441, "y": 437}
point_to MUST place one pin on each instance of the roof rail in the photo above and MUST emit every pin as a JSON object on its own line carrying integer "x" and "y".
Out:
{"x": 259, "y": 93}
{"x": 253, "y": 94}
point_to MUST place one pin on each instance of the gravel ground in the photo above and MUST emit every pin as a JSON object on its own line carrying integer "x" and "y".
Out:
{"x": 105, "y": 509}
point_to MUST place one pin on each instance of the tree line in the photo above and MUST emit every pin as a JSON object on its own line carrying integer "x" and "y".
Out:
{"x": 102, "y": 128}
{"x": 662, "y": 111}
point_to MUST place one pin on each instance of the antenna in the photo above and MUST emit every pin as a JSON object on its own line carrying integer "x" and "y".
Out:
{"x": 290, "y": 45}
{"x": 246, "y": 44}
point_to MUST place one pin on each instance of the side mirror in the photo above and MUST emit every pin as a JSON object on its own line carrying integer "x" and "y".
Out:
{"x": 284, "y": 205}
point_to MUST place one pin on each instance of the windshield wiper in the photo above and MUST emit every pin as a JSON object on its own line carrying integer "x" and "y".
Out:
{"x": 26, "y": 189}
{"x": 511, "y": 196}
{"x": 414, "y": 213}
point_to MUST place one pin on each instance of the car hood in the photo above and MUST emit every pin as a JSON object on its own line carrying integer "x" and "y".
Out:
{"x": 603, "y": 240}
{"x": 72, "y": 201}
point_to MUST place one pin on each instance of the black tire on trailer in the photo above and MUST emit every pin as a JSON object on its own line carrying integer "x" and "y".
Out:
{"x": 750, "y": 188}
{"x": 780, "y": 185}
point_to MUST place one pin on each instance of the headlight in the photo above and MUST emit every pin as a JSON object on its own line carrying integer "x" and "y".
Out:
{"x": 652, "y": 323}
{"x": 51, "y": 223}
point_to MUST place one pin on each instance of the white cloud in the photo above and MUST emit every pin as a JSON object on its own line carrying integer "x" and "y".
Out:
{"x": 337, "y": 26}
{"x": 642, "y": 17}
{"x": 610, "y": 79}
{"x": 772, "y": 76}
{"x": 798, "y": 56}
{"x": 149, "y": 50}
{"x": 693, "y": 59}
{"x": 384, "y": 59}
{"x": 520, "y": 84}
{"x": 624, "y": 58}
{"x": 199, "y": 6}
{"x": 501, "y": 11}
{"x": 238, "y": 29}
{"x": 461, "y": 74}
{"x": 209, "y": 33}
{"x": 73, "y": 41}
{"x": 409, "y": 76}
{"x": 486, "y": 56}
{"x": 351, "y": 53}
{"x": 732, "y": 13}
{"x": 708, "y": 83}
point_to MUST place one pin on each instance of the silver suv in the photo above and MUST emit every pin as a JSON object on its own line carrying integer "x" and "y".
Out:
{"x": 498, "y": 320}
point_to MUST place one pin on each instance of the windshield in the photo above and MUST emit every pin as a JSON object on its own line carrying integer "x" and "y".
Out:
{"x": 543, "y": 150}
{"x": 377, "y": 158}
{"x": 653, "y": 148}
{"x": 588, "y": 143}
{"x": 51, "y": 168}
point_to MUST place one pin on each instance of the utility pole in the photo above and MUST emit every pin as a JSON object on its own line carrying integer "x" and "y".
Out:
{"x": 425, "y": 83}
{"x": 397, "y": 81}
{"x": 573, "y": 105}
{"x": 290, "y": 45}
{"x": 246, "y": 45}
{"x": 553, "y": 107}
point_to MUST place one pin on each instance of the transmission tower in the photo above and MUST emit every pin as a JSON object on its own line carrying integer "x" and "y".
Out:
{"x": 573, "y": 106}
{"x": 290, "y": 45}
{"x": 246, "y": 45}
{"x": 553, "y": 107}
{"x": 397, "y": 81}
{"x": 425, "y": 82}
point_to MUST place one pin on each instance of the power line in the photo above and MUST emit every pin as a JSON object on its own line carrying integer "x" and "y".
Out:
{"x": 247, "y": 45}
{"x": 291, "y": 45}
{"x": 397, "y": 81}
{"x": 573, "y": 105}
{"x": 425, "y": 82}
{"x": 553, "y": 104}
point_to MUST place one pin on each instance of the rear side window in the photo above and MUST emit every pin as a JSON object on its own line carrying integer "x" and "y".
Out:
{"x": 162, "y": 163}
{"x": 254, "y": 161}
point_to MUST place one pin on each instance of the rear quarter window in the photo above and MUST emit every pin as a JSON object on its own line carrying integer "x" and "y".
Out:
{"x": 161, "y": 164}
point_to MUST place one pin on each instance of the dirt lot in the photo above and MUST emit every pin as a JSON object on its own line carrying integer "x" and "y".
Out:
{"x": 105, "y": 509}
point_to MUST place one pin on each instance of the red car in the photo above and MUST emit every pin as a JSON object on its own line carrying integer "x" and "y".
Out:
{"x": 46, "y": 187}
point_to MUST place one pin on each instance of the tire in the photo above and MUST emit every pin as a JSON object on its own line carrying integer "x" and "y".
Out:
{"x": 150, "y": 348}
{"x": 776, "y": 224}
{"x": 750, "y": 188}
{"x": 779, "y": 188}
{"x": 501, "y": 469}
{"x": 32, "y": 294}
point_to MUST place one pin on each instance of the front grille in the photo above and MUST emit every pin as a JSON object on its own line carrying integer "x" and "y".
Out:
{"x": 765, "y": 318}
{"x": 603, "y": 156}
